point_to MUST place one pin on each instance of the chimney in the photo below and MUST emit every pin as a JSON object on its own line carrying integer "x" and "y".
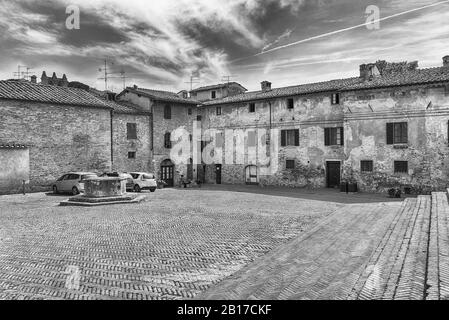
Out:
{"x": 446, "y": 61}
{"x": 266, "y": 86}
{"x": 33, "y": 79}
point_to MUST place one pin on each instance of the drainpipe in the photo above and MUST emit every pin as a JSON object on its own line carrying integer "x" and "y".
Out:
{"x": 112, "y": 141}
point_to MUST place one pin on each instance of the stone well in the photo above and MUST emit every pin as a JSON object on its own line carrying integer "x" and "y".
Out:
{"x": 104, "y": 191}
{"x": 104, "y": 187}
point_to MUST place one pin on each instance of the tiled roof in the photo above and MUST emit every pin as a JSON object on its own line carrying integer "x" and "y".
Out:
{"x": 217, "y": 86}
{"x": 418, "y": 76}
{"x": 333, "y": 85}
{"x": 158, "y": 95}
{"x": 126, "y": 107}
{"x": 18, "y": 90}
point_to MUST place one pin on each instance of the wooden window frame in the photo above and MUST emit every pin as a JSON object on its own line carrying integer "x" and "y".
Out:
{"x": 131, "y": 131}
{"x": 132, "y": 155}
{"x": 333, "y": 135}
{"x": 286, "y": 138}
{"x": 335, "y": 98}
{"x": 397, "y": 133}
{"x": 397, "y": 164}
{"x": 167, "y": 140}
{"x": 363, "y": 164}
{"x": 218, "y": 111}
{"x": 167, "y": 112}
{"x": 252, "y": 108}
{"x": 290, "y": 164}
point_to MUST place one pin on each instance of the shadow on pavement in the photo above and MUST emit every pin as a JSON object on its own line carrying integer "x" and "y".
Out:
{"x": 329, "y": 195}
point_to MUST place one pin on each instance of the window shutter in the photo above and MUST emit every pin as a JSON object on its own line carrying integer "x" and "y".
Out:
{"x": 297, "y": 137}
{"x": 327, "y": 138}
{"x": 405, "y": 133}
{"x": 342, "y": 136}
{"x": 283, "y": 138}
{"x": 390, "y": 133}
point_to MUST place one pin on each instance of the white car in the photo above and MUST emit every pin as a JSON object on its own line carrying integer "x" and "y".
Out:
{"x": 142, "y": 181}
{"x": 72, "y": 182}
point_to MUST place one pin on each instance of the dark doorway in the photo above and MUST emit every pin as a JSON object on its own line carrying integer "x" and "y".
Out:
{"x": 167, "y": 172}
{"x": 333, "y": 174}
{"x": 218, "y": 173}
{"x": 251, "y": 175}
{"x": 190, "y": 170}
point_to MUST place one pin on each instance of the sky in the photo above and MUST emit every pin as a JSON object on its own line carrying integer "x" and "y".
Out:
{"x": 161, "y": 44}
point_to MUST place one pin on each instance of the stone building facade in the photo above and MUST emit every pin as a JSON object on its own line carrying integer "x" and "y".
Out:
{"x": 47, "y": 131}
{"x": 169, "y": 112}
{"x": 341, "y": 128}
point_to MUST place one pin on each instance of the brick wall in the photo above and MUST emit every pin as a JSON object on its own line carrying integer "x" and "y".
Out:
{"x": 61, "y": 138}
{"x": 122, "y": 145}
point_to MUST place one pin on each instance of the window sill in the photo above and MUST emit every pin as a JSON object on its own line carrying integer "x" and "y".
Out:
{"x": 400, "y": 146}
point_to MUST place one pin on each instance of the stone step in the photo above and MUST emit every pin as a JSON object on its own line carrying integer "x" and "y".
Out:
{"x": 438, "y": 256}
{"x": 397, "y": 269}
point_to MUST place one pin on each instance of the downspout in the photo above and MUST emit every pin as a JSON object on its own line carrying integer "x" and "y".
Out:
{"x": 112, "y": 141}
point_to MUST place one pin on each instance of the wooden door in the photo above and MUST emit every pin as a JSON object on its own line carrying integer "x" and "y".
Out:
{"x": 167, "y": 173}
{"x": 218, "y": 173}
{"x": 333, "y": 174}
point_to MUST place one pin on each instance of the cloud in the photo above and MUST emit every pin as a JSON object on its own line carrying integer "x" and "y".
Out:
{"x": 160, "y": 44}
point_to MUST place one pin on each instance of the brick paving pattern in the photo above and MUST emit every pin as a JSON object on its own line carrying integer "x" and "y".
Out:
{"x": 219, "y": 244}
{"x": 174, "y": 246}
{"x": 375, "y": 251}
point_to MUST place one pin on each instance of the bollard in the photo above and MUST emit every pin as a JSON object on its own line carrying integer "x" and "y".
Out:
{"x": 23, "y": 187}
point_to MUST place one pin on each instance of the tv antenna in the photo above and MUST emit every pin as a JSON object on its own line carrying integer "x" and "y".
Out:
{"x": 193, "y": 80}
{"x": 227, "y": 79}
{"x": 22, "y": 74}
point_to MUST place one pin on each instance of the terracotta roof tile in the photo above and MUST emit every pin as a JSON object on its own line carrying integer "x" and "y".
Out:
{"x": 159, "y": 95}
{"x": 418, "y": 76}
{"x": 18, "y": 90}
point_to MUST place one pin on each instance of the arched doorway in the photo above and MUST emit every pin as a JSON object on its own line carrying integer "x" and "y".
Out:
{"x": 168, "y": 172}
{"x": 251, "y": 175}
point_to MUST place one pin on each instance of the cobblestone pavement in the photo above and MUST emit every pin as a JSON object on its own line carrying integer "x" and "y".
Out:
{"x": 375, "y": 251}
{"x": 174, "y": 246}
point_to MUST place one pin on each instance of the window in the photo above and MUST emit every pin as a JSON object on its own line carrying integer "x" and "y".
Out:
{"x": 290, "y": 164}
{"x": 132, "y": 155}
{"x": 335, "y": 98}
{"x": 333, "y": 136}
{"x": 290, "y": 137}
{"x": 366, "y": 166}
{"x": 198, "y": 118}
{"x": 290, "y": 103}
{"x": 190, "y": 137}
{"x": 397, "y": 133}
{"x": 131, "y": 131}
{"x": 213, "y": 94}
{"x": 189, "y": 111}
{"x": 218, "y": 111}
{"x": 400, "y": 167}
{"x": 167, "y": 112}
{"x": 252, "y": 107}
{"x": 167, "y": 140}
